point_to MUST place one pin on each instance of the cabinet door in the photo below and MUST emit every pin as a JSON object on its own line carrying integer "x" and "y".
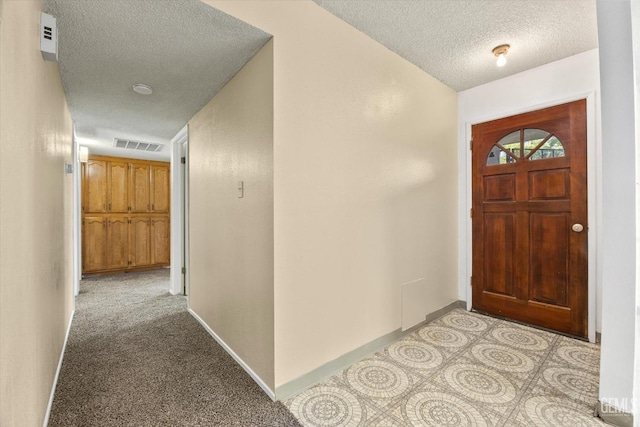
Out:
{"x": 160, "y": 188}
{"x": 118, "y": 188}
{"x": 117, "y": 242}
{"x": 94, "y": 244}
{"x": 160, "y": 248}
{"x": 94, "y": 186}
{"x": 140, "y": 179}
{"x": 140, "y": 241}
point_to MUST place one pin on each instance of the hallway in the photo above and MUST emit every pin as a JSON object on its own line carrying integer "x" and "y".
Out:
{"x": 136, "y": 357}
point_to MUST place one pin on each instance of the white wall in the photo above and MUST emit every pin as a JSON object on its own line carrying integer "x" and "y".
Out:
{"x": 576, "y": 77}
{"x": 618, "y": 200}
{"x": 36, "y": 290}
{"x": 635, "y": 24}
{"x": 364, "y": 184}
{"x": 231, "y": 244}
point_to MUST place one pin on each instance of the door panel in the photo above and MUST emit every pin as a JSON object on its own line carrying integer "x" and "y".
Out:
{"x": 94, "y": 244}
{"x": 160, "y": 186}
{"x": 117, "y": 242}
{"x": 140, "y": 241}
{"x": 160, "y": 248}
{"x": 500, "y": 188}
{"x": 140, "y": 189}
{"x": 499, "y": 236}
{"x": 549, "y": 258}
{"x": 94, "y": 191}
{"x": 549, "y": 184}
{"x": 528, "y": 189}
{"x": 118, "y": 187}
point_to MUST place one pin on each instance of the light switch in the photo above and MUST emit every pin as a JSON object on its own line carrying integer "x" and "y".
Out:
{"x": 240, "y": 189}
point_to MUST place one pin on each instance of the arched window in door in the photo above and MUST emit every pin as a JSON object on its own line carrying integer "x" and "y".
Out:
{"x": 525, "y": 145}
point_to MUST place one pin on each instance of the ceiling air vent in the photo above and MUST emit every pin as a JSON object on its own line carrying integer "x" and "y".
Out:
{"x": 136, "y": 145}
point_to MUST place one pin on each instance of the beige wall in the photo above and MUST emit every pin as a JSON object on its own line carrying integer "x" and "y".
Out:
{"x": 231, "y": 240}
{"x": 364, "y": 184}
{"x": 35, "y": 218}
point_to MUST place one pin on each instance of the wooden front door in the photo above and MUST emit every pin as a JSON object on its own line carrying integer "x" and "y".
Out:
{"x": 529, "y": 191}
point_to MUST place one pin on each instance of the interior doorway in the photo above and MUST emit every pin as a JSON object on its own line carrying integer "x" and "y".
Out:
{"x": 179, "y": 212}
{"x": 529, "y": 224}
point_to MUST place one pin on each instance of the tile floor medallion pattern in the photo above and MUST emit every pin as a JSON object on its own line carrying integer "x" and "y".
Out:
{"x": 463, "y": 369}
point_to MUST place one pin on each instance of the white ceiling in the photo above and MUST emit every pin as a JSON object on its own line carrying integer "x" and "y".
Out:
{"x": 185, "y": 50}
{"x": 453, "y": 39}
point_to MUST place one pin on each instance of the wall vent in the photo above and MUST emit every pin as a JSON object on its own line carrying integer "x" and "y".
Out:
{"x": 48, "y": 37}
{"x": 136, "y": 145}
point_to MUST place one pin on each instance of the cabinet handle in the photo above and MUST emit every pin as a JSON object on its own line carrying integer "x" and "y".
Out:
{"x": 153, "y": 207}
{"x": 109, "y": 206}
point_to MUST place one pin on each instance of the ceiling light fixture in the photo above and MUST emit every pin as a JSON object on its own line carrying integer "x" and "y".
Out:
{"x": 142, "y": 89}
{"x": 500, "y": 52}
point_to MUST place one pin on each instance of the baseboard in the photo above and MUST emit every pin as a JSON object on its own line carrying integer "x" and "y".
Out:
{"x": 237, "y": 358}
{"x": 612, "y": 415}
{"x": 444, "y": 310}
{"x": 55, "y": 378}
{"x": 323, "y": 372}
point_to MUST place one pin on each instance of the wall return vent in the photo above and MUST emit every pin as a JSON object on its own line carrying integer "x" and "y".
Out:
{"x": 136, "y": 145}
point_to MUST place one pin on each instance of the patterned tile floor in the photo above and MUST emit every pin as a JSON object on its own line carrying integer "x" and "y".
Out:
{"x": 463, "y": 369}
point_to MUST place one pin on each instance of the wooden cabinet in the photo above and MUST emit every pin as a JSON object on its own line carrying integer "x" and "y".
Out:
{"x": 159, "y": 188}
{"x": 118, "y": 186}
{"x": 140, "y": 241}
{"x": 94, "y": 243}
{"x": 117, "y": 242}
{"x": 105, "y": 186}
{"x": 140, "y": 187}
{"x": 161, "y": 248}
{"x": 125, "y": 224}
{"x": 94, "y": 190}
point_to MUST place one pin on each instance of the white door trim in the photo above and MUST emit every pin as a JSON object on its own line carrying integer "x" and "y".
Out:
{"x": 594, "y": 183}
{"x": 178, "y": 144}
{"x": 77, "y": 217}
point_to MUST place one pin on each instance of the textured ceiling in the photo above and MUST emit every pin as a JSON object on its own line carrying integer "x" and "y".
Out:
{"x": 452, "y": 39}
{"x": 185, "y": 50}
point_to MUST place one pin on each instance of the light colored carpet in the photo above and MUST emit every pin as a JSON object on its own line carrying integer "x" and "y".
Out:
{"x": 136, "y": 357}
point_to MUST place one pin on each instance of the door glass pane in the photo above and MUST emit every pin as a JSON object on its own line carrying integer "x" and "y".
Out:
{"x": 537, "y": 144}
{"x": 511, "y": 143}
{"x": 498, "y": 157}
{"x": 533, "y": 138}
{"x": 550, "y": 149}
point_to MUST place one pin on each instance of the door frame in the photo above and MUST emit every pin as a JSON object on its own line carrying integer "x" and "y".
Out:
{"x": 77, "y": 217}
{"x": 179, "y": 282}
{"x": 594, "y": 207}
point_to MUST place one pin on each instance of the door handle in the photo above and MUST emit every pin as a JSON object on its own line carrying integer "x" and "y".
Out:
{"x": 577, "y": 228}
